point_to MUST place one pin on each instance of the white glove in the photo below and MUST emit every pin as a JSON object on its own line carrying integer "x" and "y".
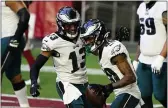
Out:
{"x": 157, "y": 64}
{"x": 135, "y": 64}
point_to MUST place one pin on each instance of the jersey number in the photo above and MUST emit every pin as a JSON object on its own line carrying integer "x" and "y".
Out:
{"x": 73, "y": 57}
{"x": 53, "y": 36}
{"x": 149, "y": 23}
{"x": 111, "y": 74}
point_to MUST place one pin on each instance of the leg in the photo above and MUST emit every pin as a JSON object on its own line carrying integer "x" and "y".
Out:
{"x": 13, "y": 73}
{"x": 160, "y": 85}
{"x": 83, "y": 88}
{"x": 27, "y": 54}
{"x": 79, "y": 103}
{"x": 5, "y": 55}
{"x": 29, "y": 57}
{"x": 145, "y": 81}
{"x": 125, "y": 100}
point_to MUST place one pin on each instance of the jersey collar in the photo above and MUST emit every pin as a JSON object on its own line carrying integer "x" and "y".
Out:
{"x": 67, "y": 39}
{"x": 150, "y": 5}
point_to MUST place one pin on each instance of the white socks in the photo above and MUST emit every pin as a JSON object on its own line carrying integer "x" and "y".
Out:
{"x": 22, "y": 97}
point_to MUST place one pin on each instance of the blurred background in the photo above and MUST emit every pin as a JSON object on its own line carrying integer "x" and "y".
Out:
{"x": 43, "y": 22}
{"x": 113, "y": 13}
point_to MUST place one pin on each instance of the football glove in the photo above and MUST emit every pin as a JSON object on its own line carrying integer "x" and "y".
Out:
{"x": 157, "y": 64}
{"x": 13, "y": 44}
{"x": 102, "y": 89}
{"x": 34, "y": 89}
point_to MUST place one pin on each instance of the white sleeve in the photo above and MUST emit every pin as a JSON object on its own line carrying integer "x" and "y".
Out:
{"x": 164, "y": 6}
{"x": 116, "y": 50}
{"x": 49, "y": 42}
{"x": 45, "y": 44}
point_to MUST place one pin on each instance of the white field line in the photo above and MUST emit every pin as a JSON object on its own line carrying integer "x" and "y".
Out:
{"x": 51, "y": 69}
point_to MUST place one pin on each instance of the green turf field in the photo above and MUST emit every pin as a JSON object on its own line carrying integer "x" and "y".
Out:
{"x": 48, "y": 88}
{"x": 47, "y": 83}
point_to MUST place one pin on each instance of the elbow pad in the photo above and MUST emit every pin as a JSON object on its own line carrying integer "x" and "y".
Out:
{"x": 24, "y": 17}
{"x": 34, "y": 71}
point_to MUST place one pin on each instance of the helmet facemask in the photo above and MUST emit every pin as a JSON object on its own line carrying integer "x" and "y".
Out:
{"x": 94, "y": 41}
{"x": 72, "y": 29}
{"x": 93, "y": 34}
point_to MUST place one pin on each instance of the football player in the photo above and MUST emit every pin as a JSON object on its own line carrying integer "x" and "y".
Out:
{"x": 152, "y": 52}
{"x": 68, "y": 54}
{"x": 27, "y": 50}
{"x": 115, "y": 62}
{"x": 15, "y": 18}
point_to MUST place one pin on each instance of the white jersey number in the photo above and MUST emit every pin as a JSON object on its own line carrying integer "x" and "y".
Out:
{"x": 150, "y": 25}
{"x": 111, "y": 75}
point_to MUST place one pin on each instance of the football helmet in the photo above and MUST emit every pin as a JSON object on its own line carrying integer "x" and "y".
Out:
{"x": 94, "y": 33}
{"x": 68, "y": 21}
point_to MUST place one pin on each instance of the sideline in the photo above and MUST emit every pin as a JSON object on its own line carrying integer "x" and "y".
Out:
{"x": 51, "y": 69}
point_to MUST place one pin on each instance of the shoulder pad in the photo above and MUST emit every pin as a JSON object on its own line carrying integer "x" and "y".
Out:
{"x": 162, "y": 6}
{"x": 140, "y": 6}
{"x": 49, "y": 42}
{"x": 116, "y": 48}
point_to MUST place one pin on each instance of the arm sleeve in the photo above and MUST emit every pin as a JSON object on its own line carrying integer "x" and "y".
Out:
{"x": 34, "y": 71}
{"x": 24, "y": 17}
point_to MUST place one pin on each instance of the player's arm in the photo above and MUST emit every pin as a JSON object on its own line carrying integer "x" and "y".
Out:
{"x": 38, "y": 64}
{"x": 157, "y": 64}
{"x": 129, "y": 77}
{"x": 34, "y": 71}
{"x": 20, "y": 9}
{"x": 135, "y": 62}
{"x": 137, "y": 52}
{"x": 164, "y": 50}
{"x": 121, "y": 62}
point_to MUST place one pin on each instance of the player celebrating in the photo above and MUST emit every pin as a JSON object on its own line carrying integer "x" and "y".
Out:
{"x": 15, "y": 18}
{"x": 68, "y": 53}
{"x": 152, "y": 52}
{"x": 115, "y": 62}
